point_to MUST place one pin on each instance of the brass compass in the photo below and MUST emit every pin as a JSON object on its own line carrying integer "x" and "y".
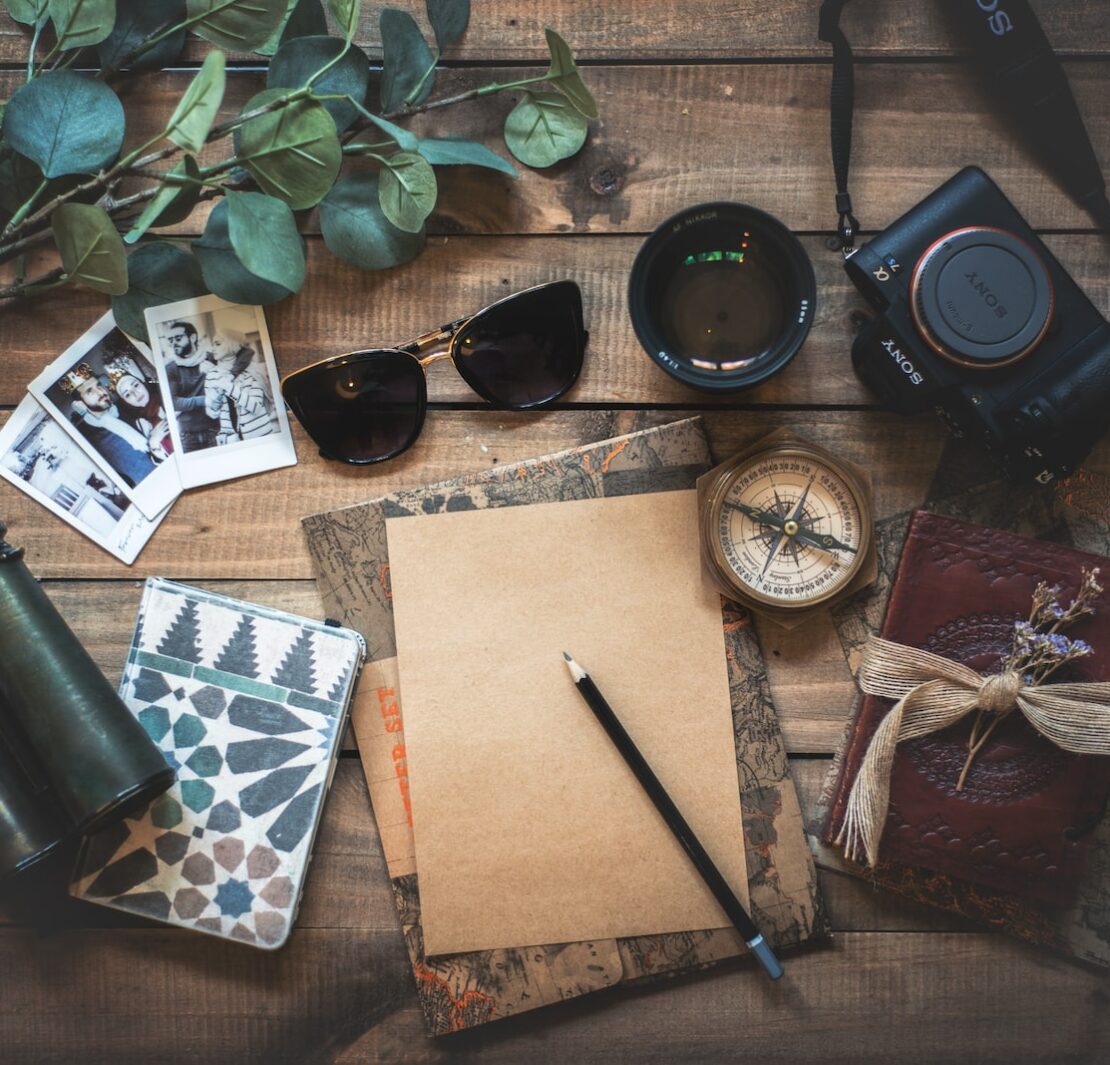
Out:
{"x": 786, "y": 527}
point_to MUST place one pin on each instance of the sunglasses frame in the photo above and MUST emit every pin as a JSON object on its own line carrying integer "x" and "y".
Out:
{"x": 448, "y": 334}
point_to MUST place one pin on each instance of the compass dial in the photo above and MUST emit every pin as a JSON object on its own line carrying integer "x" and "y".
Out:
{"x": 791, "y": 528}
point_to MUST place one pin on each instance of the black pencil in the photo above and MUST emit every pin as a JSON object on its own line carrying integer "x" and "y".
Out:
{"x": 675, "y": 821}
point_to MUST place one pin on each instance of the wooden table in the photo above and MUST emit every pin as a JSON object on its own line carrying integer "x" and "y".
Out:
{"x": 699, "y": 100}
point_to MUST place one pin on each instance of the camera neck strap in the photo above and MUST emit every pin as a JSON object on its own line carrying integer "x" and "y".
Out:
{"x": 1027, "y": 77}
{"x": 842, "y": 100}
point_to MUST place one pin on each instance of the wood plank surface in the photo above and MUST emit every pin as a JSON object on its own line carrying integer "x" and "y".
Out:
{"x": 702, "y": 29}
{"x": 250, "y": 528}
{"x": 673, "y": 135}
{"x": 342, "y": 308}
{"x": 339, "y": 996}
{"x": 699, "y": 100}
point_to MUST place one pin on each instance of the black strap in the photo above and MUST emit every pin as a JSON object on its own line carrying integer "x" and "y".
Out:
{"x": 841, "y": 105}
{"x": 1028, "y": 80}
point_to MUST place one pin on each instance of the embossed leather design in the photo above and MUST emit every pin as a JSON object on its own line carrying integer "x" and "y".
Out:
{"x": 1019, "y": 822}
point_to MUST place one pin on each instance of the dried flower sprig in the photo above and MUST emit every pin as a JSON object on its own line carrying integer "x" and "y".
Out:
{"x": 1038, "y": 650}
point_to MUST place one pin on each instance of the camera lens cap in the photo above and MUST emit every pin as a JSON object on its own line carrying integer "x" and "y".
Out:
{"x": 722, "y": 295}
{"x": 982, "y": 297}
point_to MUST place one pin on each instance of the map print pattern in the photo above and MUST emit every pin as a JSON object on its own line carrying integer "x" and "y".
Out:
{"x": 1077, "y": 513}
{"x": 464, "y": 990}
{"x": 248, "y": 706}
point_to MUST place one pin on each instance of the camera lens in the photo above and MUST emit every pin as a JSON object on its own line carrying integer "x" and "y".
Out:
{"x": 722, "y": 296}
{"x": 982, "y": 297}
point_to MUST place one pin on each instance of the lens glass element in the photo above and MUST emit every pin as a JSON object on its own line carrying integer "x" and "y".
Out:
{"x": 722, "y": 296}
{"x": 363, "y": 407}
{"x": 526, "y": 350}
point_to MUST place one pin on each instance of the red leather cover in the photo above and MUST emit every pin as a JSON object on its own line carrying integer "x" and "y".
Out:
{"x": 1018, "y": 825}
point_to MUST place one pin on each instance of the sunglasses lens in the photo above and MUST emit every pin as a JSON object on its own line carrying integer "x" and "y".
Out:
{"x": 526, "y": 351}
{"x": 364, "y": 408}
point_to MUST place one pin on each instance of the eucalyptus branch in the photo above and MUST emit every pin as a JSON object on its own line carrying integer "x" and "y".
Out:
{"x": 418, "y": 87}
{"x": 51, "y": 279}
{"x": 458, "y": 98}
{"x": 39, "y": 26}
{"x": 26, "y": 208}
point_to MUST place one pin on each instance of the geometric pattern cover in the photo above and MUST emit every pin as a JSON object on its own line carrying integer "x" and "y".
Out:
{"x": 248, "y": 705}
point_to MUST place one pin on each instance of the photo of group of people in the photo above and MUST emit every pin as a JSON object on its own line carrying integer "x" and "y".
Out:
{"x": 113, "y": 431}
{"x": 105, "y": 392}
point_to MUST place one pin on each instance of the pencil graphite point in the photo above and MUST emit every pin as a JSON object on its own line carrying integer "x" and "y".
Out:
{"x": 576, "y": 671}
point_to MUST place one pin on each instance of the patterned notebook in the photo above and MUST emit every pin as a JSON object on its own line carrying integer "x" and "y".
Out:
{"x": 465, "y": 990}
{"x": 248, "y": 705}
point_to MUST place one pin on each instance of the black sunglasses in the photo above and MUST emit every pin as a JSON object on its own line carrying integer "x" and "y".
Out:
{"x": 522, "y": 352}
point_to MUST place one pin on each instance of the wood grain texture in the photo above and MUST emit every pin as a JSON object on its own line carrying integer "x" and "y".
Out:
{"x": 342, "y": 308}
{"x": 631, "y": 29}
{"x": 673, "y": 135}
{"x": 250, "y": 528}
{"x": 342, "y": 996}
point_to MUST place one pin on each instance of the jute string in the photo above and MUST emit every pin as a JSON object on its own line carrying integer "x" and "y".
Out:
{"x": 932, "y": 693}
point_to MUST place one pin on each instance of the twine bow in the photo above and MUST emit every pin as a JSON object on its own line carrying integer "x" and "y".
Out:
{"x": 932, "y": 693}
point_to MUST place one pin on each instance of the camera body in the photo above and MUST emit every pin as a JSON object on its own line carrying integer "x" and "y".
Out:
{"x": 978, "y": 321}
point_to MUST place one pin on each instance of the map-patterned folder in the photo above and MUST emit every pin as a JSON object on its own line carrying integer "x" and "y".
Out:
{"x": 463, "y": 990}
{"x": 1075, "y": 513}
{"x": 248, "y": 705}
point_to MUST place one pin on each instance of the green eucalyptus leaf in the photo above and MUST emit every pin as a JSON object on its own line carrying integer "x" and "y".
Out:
{"x": 237, "y": 25}
{"x": 355, "y": 229}
{"x": 544, "y": 128}
{"x": 26, "y": 11}
{"x": 193, "y": 117}
{"x": 448, "y": 19}
{"x": 453, "y": 151}
{"x": 297, "y": 60}
{"x": 293, "y": 153}
{"x": 174, "y": 201}
{"x": 223, "y": 273}
{"x": 158, "y": 273}
{"x": 90, "y": 247}
{"x": 274, "y": 42}
{"x": 67, "y": 123}
{"x": 406, "y": 58}
{"x": 406, "y": 141}
{"x": 135, "y": 21}
{"x": 564, "y": 76}
{"x": 81, "y": 23}
{"x": 264, "y": 237}
{"x": 407, "y": 190}
{"x": 346, "y": 13}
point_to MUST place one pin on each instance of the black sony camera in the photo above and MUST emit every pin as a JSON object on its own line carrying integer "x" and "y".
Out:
{"x": 978, "y": 321}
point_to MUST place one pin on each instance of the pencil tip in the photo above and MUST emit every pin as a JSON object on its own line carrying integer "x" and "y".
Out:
{"x": 576, "y": 671}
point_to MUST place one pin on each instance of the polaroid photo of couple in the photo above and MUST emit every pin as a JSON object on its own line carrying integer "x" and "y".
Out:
{"x": 216, "y": 369}
{"x": 40, "y": 458}
{"x": 103, "y": 391}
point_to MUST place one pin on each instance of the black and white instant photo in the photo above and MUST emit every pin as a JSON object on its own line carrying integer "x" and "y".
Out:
{"x": 216, "y": 366}
{"x": 104, "y": 392}
{"x": 38, "y": 456}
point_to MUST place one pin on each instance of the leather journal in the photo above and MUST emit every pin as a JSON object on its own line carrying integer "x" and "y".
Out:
{"x": 1023, "y": 821}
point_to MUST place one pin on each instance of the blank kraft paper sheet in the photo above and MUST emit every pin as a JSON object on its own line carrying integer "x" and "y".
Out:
{"x": 529, "y": 827}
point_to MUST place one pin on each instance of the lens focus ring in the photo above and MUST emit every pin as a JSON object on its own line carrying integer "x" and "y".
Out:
{"x": 982, "y": 297}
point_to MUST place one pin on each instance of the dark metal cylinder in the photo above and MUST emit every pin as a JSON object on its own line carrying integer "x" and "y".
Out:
{"x": 99, "y": 762}
{"x": 31, "y": 822}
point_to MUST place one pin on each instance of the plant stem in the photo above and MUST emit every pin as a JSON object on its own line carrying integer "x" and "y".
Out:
{"x": 25, "y": 209}
{"x": 416, "y": 90}
{"x": 37, "y": 284}
{"x": 458, "y": 98}
{"x": 974, "y": 750}
{"x": 34, "y": 46}
{"x": 329, "y": 64}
